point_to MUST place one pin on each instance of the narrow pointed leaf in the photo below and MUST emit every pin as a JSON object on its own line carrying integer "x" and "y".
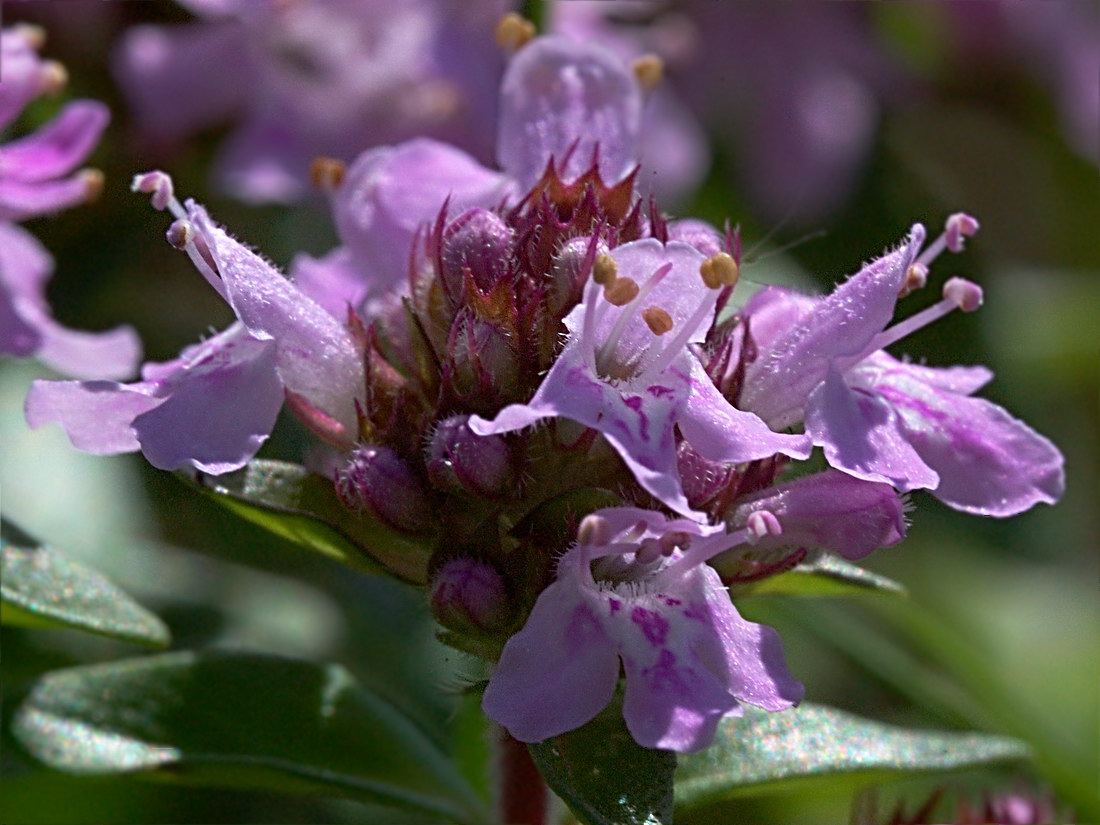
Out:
{"x": 823, "y": 574}
{"x": 761, "y": 751}
{"x": 241, "y": 720}
{"x": 41, "y": 587}
{"x": 302, "y": 507}
{"x": 605, "y": 777}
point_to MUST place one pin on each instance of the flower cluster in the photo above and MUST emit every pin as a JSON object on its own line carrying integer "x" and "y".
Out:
{"x": 37, "y": 178}
{"x": 490, "y": 349}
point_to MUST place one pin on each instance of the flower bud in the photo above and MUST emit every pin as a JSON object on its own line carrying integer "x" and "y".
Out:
{"x": 376, "y": 480}
{"x": 699, "y": 234}
{"x": 478, "y": 241}
{"x": 704, "y": 480}
{"x": 459, "y": 461}
{"x": 484, "y": 360}
{"x": 470, "y": 595}
{"x": 569, "y": 272}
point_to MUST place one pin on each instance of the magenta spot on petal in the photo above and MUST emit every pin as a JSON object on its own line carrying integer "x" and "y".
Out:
{"x": 670, "y": 601}
{"x": 697, "y": 611}
{"x": 664, "y": 676}
{"x": 653, "y": 625}
{"x": 657, "y": 391}
{"x": 634, "y": 402}
{"x": 615, "y": 604}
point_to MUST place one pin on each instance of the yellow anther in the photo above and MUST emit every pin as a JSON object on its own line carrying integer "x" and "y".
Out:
{"x": 915, "y": 278}
{"x": 649, "y": 71}
{"x": 658, "y": 321}
{"x": 595, "y": 531}
{"x": 719, "y": 270}
{"x": 514, "y": 31}
{"x": 33, "y": 35}
{"x": 605, "y": 270}
{"x": 621, "y": 293}
{"x": 326, "y": 174}
{"x": 54, "y": 77}
{"x": 93, "y": 183}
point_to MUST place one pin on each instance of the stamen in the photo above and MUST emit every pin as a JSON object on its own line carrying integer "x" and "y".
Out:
{"x": 622, "y": 292}
{"x": 594, "y": 531}
{"x": 180, "y": 233}
{"x": 93, "y": 183}
{"x": 33, "y": 35}
{"x": 676, "y": 538}
{"x": 157, "y": 184}
{"x": 957, "y": 227}
{"x": 605, "y": 270}
{"x": 514, "y": 31}
{"x": 55, "y": 77}
{"x": 657, "y": 319}
{"x": 760, "y": 524}
{"x": 958, "y": 293}
{"x": 648, "y": 552}
{"x": 967, "y": 295}
{"x": 326, "y": 174}
{"x": 637, "y": 295}
{"x": 719, "y": 270}
{"x": 649, "y": 71}
{"x": 915, "y": 278}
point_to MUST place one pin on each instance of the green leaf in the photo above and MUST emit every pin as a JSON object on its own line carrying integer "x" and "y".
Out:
{"x": 302, "y": 507}
{"x": 605, "y": 777}
{"x": 41, "y": 587}
{"x": 823, "y": 574}
{"x": 241, "y": 720}
{"x": 761, "y": 751}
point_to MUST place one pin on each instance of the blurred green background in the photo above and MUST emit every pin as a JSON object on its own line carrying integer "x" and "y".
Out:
{"x": 1005, "y": 635}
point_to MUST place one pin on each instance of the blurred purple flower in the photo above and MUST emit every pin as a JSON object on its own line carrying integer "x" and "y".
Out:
{"x": 636, "y": 588}
{"x": 37, "y": 178}
{"x": 313, "y": 78}
{"x": 559, "y": 99}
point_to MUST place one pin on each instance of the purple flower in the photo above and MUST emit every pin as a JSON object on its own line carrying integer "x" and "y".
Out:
{"x": 37, "y": 178}
{"x": 636, "y": 588}
{"x": 821, "y": 361}
{"x": 214, "y": 406}
{"x": 312, "y": 78}
{"x": 627, "y": 369}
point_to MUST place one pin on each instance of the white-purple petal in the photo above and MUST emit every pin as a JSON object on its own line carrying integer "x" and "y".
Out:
{"x": 315, "y": 354}
{"x": 560, "y": 670}
{"x": 862, "y": 436}
{"x": 988, "y": 462}
{"x": 97, "y": 416}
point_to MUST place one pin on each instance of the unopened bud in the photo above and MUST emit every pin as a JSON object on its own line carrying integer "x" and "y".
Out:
{"x": 470, "y": 595}
{"x": 967, "y": 295}
{"x": 513, "y": 31}
{"x": 704, "y": 480}
{"x": 569, "y": 271}
{"x": 460, "y": 461}
{"x": 480, "y": 242}
{"x": 376, "y": 480}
